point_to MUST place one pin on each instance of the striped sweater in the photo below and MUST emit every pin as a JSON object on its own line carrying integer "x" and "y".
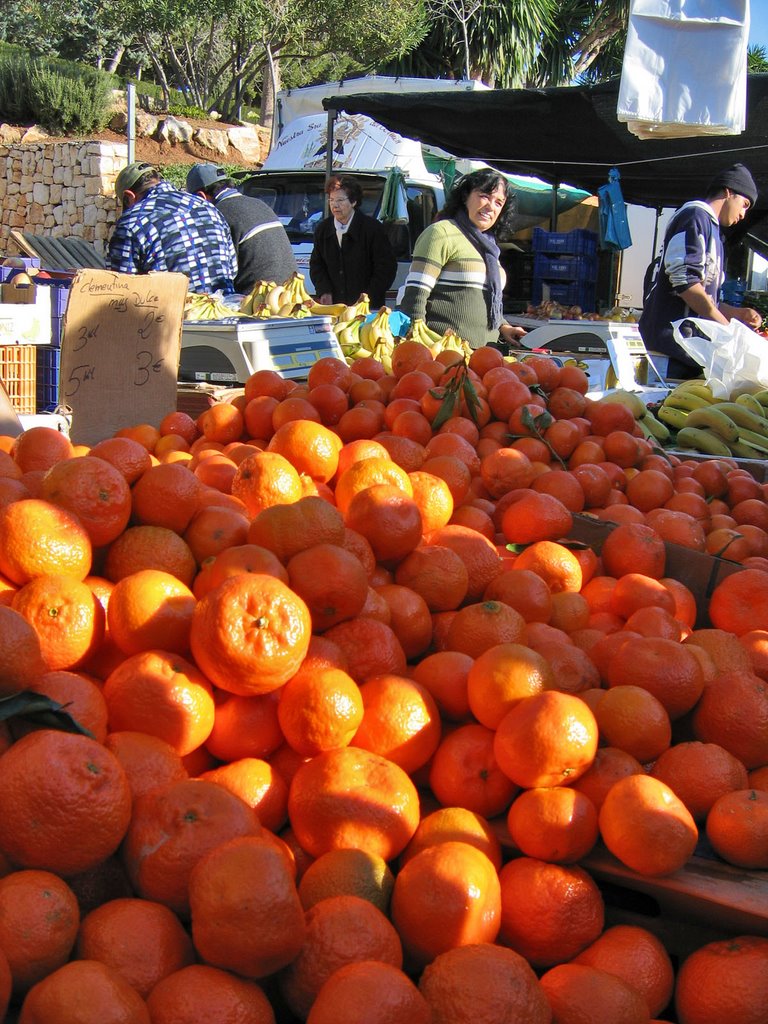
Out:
{"x": 446, "y": 285}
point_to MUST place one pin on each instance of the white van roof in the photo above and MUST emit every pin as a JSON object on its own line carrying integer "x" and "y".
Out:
{"x": 358, "y": 144}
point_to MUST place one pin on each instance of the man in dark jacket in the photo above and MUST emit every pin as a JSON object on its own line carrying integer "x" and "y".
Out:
{"x": 690, "y": 274}
{"x": 264, "y": 251}
{"x": 352, "y": 253}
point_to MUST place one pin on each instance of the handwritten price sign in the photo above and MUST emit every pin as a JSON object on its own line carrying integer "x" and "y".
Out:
{"x": 120, "y": 350}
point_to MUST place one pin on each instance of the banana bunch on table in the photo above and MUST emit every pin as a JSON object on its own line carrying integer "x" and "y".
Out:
{"x": 201, "y": 306}
{"x": 716, "y": 426}
{"x": 362, "y": 338}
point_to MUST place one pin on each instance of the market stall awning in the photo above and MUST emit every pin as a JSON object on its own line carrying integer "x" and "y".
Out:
{"x": 571, "y": 134}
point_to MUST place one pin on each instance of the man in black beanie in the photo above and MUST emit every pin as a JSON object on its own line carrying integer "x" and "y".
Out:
{"x": 690, "y": 270}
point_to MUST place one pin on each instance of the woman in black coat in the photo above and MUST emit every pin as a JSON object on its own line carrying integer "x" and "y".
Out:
{"x": 352, "y": 253}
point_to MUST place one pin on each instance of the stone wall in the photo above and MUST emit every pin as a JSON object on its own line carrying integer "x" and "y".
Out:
{"x": 60, "y": 189}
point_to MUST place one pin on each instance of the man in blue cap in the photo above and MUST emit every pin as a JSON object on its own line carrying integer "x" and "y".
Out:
{"x": 263, "y": 249}
{"x": 690, "y": 271}
{"x": 163, "y": 228}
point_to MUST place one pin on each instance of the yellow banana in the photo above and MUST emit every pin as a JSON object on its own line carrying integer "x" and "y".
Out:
{"x": 695, "y": 382}
{"x": 657, "y": 429}
{"x": 745, "y": 417}
{"x": 645, "y": 429}
{"x": 701, "y": 439}
{"x": 744, "y": 450}
{"x": 675, "y": 418}
{"x": 695, "y": 387}
{"x": 762, "y": 397}
{"x": 276, "y": 298}
{"x": 754, "y": 439}
{"x": 431, "y": 337}
{"x": 713, "y": 418}
{"x": 295, "y": 284}
{"x": 687, "y": 400}
{"x": 335, "y": 309}
{"x": 751, "y": 403}
{"x": 367, "y": 335}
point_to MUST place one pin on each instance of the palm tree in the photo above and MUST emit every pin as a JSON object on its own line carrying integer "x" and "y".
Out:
{"x": 521, "y": 42}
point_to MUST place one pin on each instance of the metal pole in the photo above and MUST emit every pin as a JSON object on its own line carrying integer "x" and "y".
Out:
{"x": 131, "y": 127}
{"x": 553, "y": 212}
{"x": 329, "y": 152}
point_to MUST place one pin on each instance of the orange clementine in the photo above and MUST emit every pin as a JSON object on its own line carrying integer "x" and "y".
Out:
{"x": 464, "y": 772}
{"x": 162, "y": 694}
{"x": 547, "y": 739}
{"x": 549, "y": 912}
{"x": 65, "y": 802}
{"x": 446, "y": 896}
{"x": 352, "y": 797}
{"x": 251, "y": 634}
{"x": 579, "y": 992}
{"x": 646, "y": 826}
{"x": 723, "y": 981}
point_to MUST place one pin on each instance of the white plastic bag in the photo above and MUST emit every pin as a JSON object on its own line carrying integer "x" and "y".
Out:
{"x": 731, "y": 354}
{"x": 684, "y": 71}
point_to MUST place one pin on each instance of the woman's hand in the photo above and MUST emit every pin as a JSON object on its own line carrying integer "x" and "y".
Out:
{"x": 326, "y": 299}
{"x": 510, "y": 333}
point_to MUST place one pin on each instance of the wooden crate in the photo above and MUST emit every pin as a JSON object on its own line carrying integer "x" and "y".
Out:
{"x": 18, "y": 374}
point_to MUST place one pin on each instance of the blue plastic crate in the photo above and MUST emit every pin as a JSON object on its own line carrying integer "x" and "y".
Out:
{"x": 578, "y": 242}
{"x": 565, "y": 268}
{"x": 48, "y": 362}
{"x": 567, "y": 293}
{"x": 57, "y": 330}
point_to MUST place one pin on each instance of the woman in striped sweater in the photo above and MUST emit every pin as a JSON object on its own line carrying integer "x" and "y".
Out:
{"x": 455, "y": 279}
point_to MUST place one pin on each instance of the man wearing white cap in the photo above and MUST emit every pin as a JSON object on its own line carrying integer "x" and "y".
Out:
{"x": 690, "y": 270}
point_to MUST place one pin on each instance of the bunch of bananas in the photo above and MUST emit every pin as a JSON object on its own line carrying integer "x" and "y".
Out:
{"x": 420, "y": 332}
{"x": 717, "y": 426}
{"x": 201, "y": 306}
{"x": 267, "y": 298}
{"x": 360, "y": 338}
{"x": 452, "y": 342}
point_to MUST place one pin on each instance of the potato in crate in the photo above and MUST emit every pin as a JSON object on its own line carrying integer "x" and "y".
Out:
{"x": 17, "y": 372}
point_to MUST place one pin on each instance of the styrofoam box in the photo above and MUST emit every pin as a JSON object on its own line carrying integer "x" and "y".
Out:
{"x": 229, "y": 351}
{"x": 27, "y": 323}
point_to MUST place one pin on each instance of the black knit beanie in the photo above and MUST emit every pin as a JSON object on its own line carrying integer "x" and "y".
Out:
{"x": 736, "y": 178}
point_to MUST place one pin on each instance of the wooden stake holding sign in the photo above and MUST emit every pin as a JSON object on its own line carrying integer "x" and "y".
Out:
{"x": 120, "y": 350}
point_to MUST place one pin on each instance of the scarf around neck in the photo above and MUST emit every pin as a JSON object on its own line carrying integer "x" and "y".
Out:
{"x": 488, "y": 248}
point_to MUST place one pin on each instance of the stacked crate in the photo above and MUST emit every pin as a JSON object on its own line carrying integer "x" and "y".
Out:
{"x": 49, "y": 356}
{"x": 565, "y": 267}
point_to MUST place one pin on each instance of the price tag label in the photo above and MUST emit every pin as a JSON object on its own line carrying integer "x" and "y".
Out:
{"x": 120, "y": 350}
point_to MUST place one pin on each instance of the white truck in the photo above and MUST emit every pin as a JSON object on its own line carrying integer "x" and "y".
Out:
{"x": 293, "y": 175}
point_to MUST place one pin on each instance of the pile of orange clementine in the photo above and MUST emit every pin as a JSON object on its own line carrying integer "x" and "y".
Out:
{"x": 356, "y": 711}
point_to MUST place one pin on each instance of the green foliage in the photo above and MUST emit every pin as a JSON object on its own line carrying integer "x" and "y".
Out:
{"x": 177, "y": 173}
{"x": 185, "y": 110}
{"x": 52, "y": 95}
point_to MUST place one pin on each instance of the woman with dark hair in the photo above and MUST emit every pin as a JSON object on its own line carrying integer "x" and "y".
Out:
{"x": 455, "y": 278}
{"x": 351, "y": 253}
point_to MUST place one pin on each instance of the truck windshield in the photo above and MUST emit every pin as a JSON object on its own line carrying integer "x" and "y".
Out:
{"x": 299, "y": 200}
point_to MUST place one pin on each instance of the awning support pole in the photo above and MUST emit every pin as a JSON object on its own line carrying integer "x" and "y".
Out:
{"x": 329, "y": 153}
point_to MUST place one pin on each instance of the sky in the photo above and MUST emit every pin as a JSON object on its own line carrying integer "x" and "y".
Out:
{"x": 758, "y": 23}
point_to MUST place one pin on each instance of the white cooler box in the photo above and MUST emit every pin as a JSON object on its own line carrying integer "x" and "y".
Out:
{"x": 229, "y": 351}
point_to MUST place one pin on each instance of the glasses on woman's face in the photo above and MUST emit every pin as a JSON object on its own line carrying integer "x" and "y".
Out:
{"x": 338, "y": 199}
